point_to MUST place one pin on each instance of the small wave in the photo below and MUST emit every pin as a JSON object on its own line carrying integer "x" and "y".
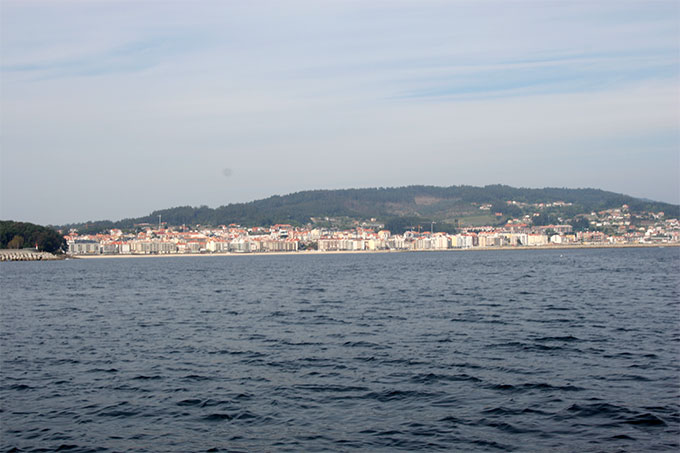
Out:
{"x": 142, "y": 377}
{"x": 220, "y": 416}
{"x": 454, "y": 420}
{"x": 308, "y": 289}
{"x": 472, "y": 366}
{"x": 536, "y": 386}
{"x": 622, "y": 437}
{"x": 506, "y": 427}
{"x": 628, "y": 377}
{"x": 542, "y": 347}
{"x": 620, "y": 355}
{"x": 246, "y": 416}
{"x": 212, "y": 402}
{"x": 250, "y": 354}
{"x": 118, "y": 414}
{"x": 509, "y": 412}
{"x": 395, "y": 441}
{"x": 431, "y": 378}
{"x": 299, "y": 343}
{"x": 19, "y": 387}
{"x": 491, "y": 444}
{"x": 366, "y": 359}
{"x": 566, "y": 338}
{"x": 323, "y": 319}
{"x": 597, "y": 409}
{"x": 332, "y": 388}
{"x": 278, "y": 314}
{"x": 130, "y": 388}
{"x": 405, "y": 362}
{"x": 197, "y": 377}
{"x": 646, "y": 419}
{"x": 66, "y": 362}
{"x": 616, "y": 413}
{"x": 531, "y": 347}
{"x": 72, "y": 448}
{"x": 363, "y": 344}
{"x": 394, "y": 395}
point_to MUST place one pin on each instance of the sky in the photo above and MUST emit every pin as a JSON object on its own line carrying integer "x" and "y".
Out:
{"x": 112, "y": 109}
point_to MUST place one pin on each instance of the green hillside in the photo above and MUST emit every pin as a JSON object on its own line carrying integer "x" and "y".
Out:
{"x": 16, "y": 235}
{"x": 393, "y": 206}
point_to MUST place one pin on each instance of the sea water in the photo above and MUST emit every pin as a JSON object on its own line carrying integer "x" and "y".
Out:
{"x": 542, "y": 350}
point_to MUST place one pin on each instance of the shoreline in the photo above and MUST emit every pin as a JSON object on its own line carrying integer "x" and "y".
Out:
{"x": 344, "y": 252}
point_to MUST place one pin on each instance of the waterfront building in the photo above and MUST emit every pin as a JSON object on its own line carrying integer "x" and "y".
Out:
{"x": 83, "y": 247}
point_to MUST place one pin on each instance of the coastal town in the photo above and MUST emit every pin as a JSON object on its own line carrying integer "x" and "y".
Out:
{"x": 604, "y": 228}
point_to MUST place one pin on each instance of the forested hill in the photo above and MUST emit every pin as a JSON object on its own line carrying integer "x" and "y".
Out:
{"x": 440, "y": 204}
{"x": 16, "y": 235}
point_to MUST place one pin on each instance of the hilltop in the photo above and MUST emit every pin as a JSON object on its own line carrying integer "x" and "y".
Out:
{"x": 398, "y": 208}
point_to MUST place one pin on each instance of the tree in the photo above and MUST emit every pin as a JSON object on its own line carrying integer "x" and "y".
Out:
{"x": 580, "y": 224}
{"x": 47, "y": 239}
{"x": 398, "y": 225}
{"x": 509, "y": 210}
{"x": 544, "y": 219}
{"x": 16, "y": 243}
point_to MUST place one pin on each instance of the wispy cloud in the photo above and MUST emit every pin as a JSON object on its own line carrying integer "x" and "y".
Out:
{"x": 570, "y": 74}
{"x": 130, "y": 57}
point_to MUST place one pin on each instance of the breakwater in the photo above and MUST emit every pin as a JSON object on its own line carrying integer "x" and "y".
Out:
{"x": 27, "y": 255}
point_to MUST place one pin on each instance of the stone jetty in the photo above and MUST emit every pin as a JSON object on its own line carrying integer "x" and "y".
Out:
{"x": 27, "y": 255}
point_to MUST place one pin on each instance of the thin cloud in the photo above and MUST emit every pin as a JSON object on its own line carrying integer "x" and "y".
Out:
{"x": 131, "y": 57}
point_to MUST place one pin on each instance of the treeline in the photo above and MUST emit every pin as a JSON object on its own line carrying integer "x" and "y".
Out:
{"x": 385, "y": 204}
{"x": 398, "y": 225}
{"x": 17, "y": 235}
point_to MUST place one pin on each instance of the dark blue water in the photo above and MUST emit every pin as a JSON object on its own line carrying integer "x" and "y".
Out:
{"x": 478, "y": 351}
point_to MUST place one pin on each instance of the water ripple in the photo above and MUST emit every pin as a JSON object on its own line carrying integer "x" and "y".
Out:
{"x": 524, "y": 351}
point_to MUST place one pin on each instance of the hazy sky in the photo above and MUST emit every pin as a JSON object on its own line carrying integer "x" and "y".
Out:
{"x": 113, "y": 109}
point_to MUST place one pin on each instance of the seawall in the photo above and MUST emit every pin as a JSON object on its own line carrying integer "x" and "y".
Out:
{"x": 27, "y": 255}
